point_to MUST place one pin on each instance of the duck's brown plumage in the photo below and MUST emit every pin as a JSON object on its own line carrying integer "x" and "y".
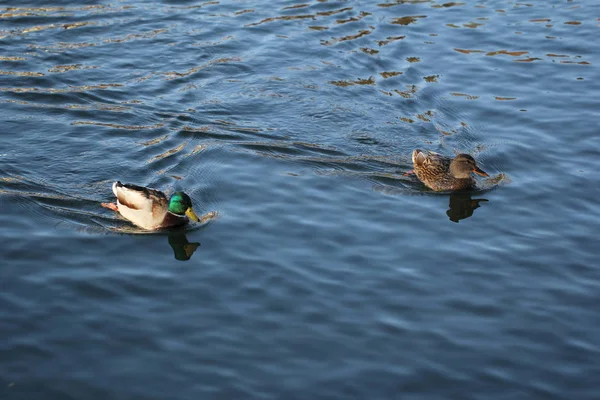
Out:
{"x": 445, "y": 174}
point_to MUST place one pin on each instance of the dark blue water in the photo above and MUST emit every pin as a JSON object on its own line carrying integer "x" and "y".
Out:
{"x": 327, "y": 273}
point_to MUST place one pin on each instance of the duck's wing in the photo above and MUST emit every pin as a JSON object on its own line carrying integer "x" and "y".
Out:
{"x": 418, "y": 158}
{"x": 144, "y": 207}
{"x": 427, "y": 158}
{"x": 139, "y": 197}
{"x": 436, "y": 160}
{"x": 421, "y": 158}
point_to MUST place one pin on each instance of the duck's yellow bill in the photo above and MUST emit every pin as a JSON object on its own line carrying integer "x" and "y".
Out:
{"x": 191, "y": 214}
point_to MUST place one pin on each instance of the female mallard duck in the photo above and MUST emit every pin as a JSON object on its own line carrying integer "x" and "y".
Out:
{"x": 149, "y": 208}
{"x": 444, "y": 174}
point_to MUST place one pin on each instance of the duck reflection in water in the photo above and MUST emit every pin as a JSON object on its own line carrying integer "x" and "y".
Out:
{"x": 462, "y": 206}
{"x": 182, "y": 248}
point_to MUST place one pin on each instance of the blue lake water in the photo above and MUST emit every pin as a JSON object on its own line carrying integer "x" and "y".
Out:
{"x": 328, "y": 273}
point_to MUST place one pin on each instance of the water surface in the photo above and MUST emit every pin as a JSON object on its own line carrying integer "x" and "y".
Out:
{"x": 328, "y": 273}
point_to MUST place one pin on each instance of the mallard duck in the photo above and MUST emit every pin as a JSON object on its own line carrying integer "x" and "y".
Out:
{"x": 149, "y": 208}
{"x": 445, "y": 174}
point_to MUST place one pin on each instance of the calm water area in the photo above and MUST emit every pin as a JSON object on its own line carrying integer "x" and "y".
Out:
{"x": 328, "y": 273}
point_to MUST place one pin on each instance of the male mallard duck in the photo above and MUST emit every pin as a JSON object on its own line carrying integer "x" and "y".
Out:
{"x": 149, "y": 208}
{"x": 444, "y": 174}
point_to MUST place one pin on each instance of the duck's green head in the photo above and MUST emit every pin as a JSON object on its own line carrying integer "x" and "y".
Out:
{"x": 181, "y": 204}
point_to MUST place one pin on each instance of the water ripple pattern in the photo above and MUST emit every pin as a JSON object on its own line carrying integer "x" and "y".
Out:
{"x": 328, "y": 273}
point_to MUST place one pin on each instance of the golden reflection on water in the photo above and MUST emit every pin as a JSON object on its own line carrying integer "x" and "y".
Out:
{"x": 296, "y": 6}
{"x": 390, "y": 39}
{"x": 409, "y": 93}
{"x": 168, "y": 153}
{"x": 359, "y": 81}
{"x": 133, "y": 36}
{"x": 154, "y": 141}
{"x": 369, "y": 51}
{"x": 244, "y": 11}
{"x": 15, "y": 11}
{"x": 508, "y": 53}
{"x": 62, "y": 46}
{"x": 472, "y": 25}
{"x": 390, "y": 74}
{"x": 426, "y": 116}
{"x": 8, "y": 58}
{"x": 528, "y": 59}
{"x": 447, "y": 5}
{"x": 9, "y": 179}
{"x": 313, "y": 17}
{"x": 575, "y": 62}
{"x": 333, "y": 12}
{"x": 73, "y": 67}
{"x": 30, "y": 194}
{"x": 282, "y": 18}
{"x": 521, "y": 53}
{"x": 198, "y": 149}
{"x": 466, "y": 51}
{"x": 409, "y": 19}
{"x": 122, "y": 39}
{"x": 466, "y": 96}
{"x": 95, "y": 106}
{"x": 37, "y": 28}
{"x": 70, "y": 89}
{"x": 401, "y": 2}
{"x": 119, "y": 126}
{"x": 203, "y": 129}
{"x": 175, "y": 74}
{"x": 19, "y": 73}
{"x": 360, "y": 34}
{"x": 193, "y": 7}
{"x": 360, "y": 16}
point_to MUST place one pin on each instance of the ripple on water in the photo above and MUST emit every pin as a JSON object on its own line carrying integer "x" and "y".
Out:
{"x": 328, "y": 273}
